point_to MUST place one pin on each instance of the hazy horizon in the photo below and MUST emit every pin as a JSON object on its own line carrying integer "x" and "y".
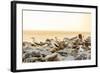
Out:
{"x": 57, "y": 31}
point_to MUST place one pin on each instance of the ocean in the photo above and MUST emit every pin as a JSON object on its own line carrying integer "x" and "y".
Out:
{"x": 43, "y": 35}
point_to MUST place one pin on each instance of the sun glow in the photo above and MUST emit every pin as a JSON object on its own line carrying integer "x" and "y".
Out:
{"x": 56, "y": 21}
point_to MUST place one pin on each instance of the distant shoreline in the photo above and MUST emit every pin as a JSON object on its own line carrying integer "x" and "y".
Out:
{"x": 55, "y": 31}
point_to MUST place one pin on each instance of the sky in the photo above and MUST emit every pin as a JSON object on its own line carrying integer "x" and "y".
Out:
{"x": 56, "y": 21}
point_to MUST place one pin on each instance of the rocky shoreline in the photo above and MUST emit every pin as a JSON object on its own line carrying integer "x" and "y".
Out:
{"x": 75, "y": 48}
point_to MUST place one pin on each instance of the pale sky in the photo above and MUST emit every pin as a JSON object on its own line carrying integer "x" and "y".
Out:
{"x": 56, "y": 21}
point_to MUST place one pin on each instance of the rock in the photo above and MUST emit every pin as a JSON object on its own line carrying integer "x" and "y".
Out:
{"x": 44, "y": 52}
{"x": 81, "y": 57}
{"x": 80, "y": 50}
{"x": 26, "y": 45}
{"x": 74, "y": 48}
{"x": 32, "y": 59}
{"x": 53, "y": 50}
{"x": 74, "y": 53}
{"x": 80, "y": 36}
{"x": 84, "y": 55}
{"x": 63, "y": 52}
{"x": 38, "y": 52}
{"x": 51, "y": 57}
{"x": 69, "y": 57}
{"x": 30, "y": 55}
